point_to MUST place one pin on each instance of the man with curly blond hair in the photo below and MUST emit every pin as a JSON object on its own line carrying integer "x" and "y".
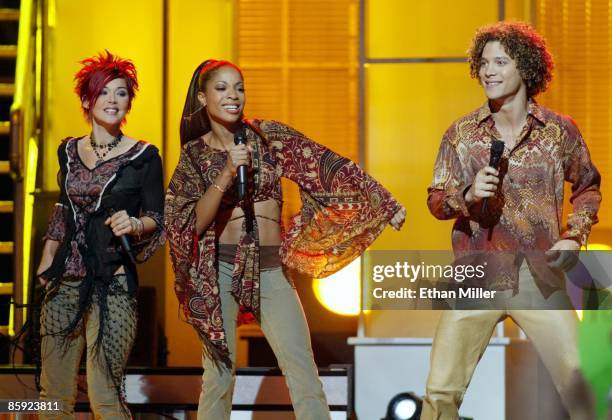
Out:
{"x": 541, "y": 150}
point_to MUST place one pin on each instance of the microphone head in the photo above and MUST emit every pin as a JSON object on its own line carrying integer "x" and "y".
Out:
{"x": 240, "y": 136}
{"x": 497, "y": 148}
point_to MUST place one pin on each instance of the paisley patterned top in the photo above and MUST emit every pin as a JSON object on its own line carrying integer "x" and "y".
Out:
{"x": 526, "y": 212}
{"x": 343, "y": 211}
{"x": 84, "y": 188}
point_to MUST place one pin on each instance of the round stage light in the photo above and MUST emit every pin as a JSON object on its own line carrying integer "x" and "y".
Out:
{"x": 404, "y": 406}
{"x": 339, "y": 292}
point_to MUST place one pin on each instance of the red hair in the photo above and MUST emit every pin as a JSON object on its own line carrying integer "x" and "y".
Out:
{"x": 208, "y": 69}
{"x": 97, "y": 72}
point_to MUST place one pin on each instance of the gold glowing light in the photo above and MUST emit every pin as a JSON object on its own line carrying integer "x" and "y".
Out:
{"x": 597, "y": 247}
{"x": 339, "y": 292}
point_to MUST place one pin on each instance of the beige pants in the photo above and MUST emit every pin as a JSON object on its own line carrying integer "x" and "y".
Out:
{"x": 284, "y": 325}
{"x": 462, "y": 337}
{"x": 61, "y": 357}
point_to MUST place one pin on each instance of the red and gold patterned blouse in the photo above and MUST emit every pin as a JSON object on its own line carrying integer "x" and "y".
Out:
{"x": 343, "y": 211}
{"x": 526, "y": 212}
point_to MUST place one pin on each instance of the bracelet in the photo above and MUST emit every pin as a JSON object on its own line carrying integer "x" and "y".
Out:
{"x": 139, "y": 229}
{"x": 223, "y": 190}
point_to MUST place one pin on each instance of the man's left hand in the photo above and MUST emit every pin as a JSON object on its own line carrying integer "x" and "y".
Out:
{"x": 563, "y": 255}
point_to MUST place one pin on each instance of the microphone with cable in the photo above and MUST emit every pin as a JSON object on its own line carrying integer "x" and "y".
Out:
{"x": 497, "y": 150}
{"x": 242, "y": 170}
{"x": 107, "y": 204}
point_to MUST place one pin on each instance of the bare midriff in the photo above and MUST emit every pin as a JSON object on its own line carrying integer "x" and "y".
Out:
{"x": 268, "y": 214}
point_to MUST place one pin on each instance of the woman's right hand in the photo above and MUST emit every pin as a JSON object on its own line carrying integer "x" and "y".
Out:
{"x": 48, "y": 253}
{"x": 484, "y": 185}
{"x": 238, "y": 155}
{"x": 42, "y": 267}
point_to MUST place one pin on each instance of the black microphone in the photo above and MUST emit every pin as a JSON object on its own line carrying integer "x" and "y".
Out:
{"x": 242, "y": 170}
{"x": 497, "y": 150}
{"x": 123, "y": 239}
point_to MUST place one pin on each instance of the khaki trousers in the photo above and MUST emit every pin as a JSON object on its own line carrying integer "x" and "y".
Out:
{"x": 284, "y": 325}
{"x": 463, "y": 335}
{"x": 61, "y": 356}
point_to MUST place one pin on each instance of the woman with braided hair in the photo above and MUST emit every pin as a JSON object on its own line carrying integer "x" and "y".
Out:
{"x": 111, "y": 187}
{"x": 230, "y": 253}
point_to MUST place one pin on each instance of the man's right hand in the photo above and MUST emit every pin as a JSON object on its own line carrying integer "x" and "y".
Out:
{"x": 484, "y": 185}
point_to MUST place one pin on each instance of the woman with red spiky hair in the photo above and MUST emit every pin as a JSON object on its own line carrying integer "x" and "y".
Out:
{"x": 110, "y": 208}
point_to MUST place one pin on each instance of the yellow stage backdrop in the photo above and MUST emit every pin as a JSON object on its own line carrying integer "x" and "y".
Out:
{"x": 416, "y": 86}
{"x": 130, "y": 29}
{"x": 410, "y": 102}
{"x": 579, "y": 33}
{"x": 300, "y": 61}
{"x": 196, "y": 31}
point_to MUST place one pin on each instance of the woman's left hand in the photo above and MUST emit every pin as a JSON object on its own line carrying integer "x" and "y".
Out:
{"x": 120, "y": 223}
{"x": 398, "y": 219}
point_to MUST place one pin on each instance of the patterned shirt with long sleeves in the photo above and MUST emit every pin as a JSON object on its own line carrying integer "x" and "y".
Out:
{"x": 526, "y": 212}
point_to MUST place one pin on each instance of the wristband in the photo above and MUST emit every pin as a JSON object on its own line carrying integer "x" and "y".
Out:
{"x": 139, "y": 228}
{"x": 223, "y": 190}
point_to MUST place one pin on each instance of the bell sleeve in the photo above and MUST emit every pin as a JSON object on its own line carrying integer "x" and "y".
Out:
{"x": 343, "y": 208}
{"x": 152, "y": 199}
